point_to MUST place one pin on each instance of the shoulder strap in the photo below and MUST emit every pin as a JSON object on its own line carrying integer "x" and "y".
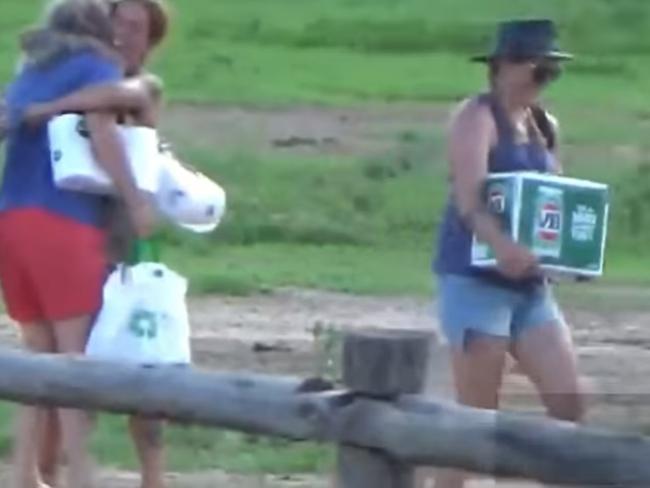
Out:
{"x": 545, "y": 126}
{"x": 503, "y": 126}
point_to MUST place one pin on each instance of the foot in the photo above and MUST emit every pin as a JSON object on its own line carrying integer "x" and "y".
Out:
{"x": 31, "y": 484}
{"x": 48, "y": 481}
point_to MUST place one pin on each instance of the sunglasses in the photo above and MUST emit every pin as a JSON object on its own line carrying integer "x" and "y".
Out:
{"x": 545, "y": 73}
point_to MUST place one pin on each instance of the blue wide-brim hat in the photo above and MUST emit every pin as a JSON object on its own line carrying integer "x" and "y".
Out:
{"x": 526, "y": 39}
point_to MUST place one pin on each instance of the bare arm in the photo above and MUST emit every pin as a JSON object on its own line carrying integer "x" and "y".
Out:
{"x": 471, "y": 136}
{"x": 127, "y": 95}
{"x": 139, "y": 95}
{"x": 109, "y": 153}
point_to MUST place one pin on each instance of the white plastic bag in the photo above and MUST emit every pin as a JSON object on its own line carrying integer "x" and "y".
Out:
{"x": 74, "y": 166}
{"x": 144, "y": 317}
{"x": 189, "y": 198}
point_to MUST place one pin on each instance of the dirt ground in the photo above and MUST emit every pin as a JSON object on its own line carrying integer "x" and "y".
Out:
{"x": 229, "y": 332}
{"x": 305, "y": 130}
{"x": 613, "y": 349}
{"x": 273, "y": 333}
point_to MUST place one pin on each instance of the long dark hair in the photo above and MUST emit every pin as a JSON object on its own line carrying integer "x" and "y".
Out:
{"x": 542, "y": 131}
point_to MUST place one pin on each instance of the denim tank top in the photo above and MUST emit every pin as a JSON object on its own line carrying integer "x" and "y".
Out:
{"x": 454, "y": 238}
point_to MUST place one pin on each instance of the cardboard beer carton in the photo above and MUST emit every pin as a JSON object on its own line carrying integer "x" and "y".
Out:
{"x": 563, "y": 221}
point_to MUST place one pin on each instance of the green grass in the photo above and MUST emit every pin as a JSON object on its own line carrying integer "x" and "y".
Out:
{"x": 363, "y": 225}
{"x": 198, "y": 449}
{"x": 194, "y": 448}
{"x": 355, "y": 225}
{"x": 284, "y": 51}
{"x": 240, "y": 270}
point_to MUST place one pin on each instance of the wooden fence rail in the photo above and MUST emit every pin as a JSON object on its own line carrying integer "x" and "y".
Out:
{"x": 382, "y": 427}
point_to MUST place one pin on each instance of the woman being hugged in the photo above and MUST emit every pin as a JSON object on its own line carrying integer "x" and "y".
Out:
{"x": 488, "y": 314}
{"x": 139, "y": 27}
{"x": 52, "y": 256}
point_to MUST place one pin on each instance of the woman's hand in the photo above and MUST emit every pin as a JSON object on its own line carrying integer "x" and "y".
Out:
{"x": 515, "y": 261}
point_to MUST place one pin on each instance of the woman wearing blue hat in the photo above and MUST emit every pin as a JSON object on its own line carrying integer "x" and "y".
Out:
{"x": 488, "y": 314}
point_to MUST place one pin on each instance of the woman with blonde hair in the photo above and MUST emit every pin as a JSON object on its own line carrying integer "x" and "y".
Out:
{"x": 52, "y": 256}
{"x": 139, "y": 27}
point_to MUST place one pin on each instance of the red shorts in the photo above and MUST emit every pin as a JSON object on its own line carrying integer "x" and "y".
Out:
{"x": 51, "y": 267}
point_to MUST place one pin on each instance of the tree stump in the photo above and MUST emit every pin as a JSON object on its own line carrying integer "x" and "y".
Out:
{"x": 381, "y": 365}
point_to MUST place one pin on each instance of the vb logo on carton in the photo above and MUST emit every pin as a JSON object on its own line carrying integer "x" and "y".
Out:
{"x": 550, "y": 221}
{"x": 549, "y": 209}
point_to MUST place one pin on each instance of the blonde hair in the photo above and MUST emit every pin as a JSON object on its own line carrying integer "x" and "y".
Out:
{"x": 68, "y": 26}
{"x": 84, "y": 18}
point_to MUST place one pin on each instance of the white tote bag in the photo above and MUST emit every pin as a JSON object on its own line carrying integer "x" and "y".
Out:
{"x": 74, "y": 166}
{"x": 188, "y": 198}
{"x": 144, "y": 317}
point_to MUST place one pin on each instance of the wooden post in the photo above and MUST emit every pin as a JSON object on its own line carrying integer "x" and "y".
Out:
{"x": 381, "y": 365}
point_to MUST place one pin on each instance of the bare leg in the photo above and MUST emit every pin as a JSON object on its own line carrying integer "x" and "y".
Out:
{"x": 71, "y": 336}
{"x": 147, "y": 435}
{"x": 37, "y": 338}
{"x": 49, "y": 451}
{"x": 478, "y": 374}
{"x": 546, "y": 355}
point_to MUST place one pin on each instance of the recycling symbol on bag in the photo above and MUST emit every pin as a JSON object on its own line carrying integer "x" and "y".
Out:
{"x": 143, "y": 323}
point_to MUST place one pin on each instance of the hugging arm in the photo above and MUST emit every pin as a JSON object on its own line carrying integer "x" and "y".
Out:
{"x": 140, "y": 96}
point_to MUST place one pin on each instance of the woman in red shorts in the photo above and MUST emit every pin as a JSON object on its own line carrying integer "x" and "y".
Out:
{"x": 52, "y": 256}
{"x": 139, "y": 27}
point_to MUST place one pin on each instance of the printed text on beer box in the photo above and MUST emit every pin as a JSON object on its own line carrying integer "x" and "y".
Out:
{"x": 564, "y": 226}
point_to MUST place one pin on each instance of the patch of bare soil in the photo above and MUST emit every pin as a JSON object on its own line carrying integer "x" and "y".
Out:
{"x": 273, "y": 333}
{"x": 301, "y": 130}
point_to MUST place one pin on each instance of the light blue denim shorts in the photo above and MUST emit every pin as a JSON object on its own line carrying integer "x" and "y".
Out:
{"x": 468, "y": 304}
